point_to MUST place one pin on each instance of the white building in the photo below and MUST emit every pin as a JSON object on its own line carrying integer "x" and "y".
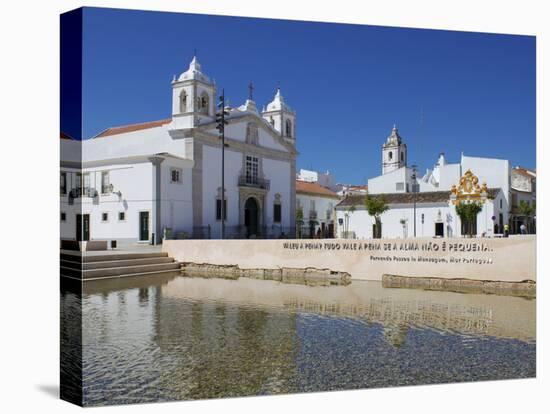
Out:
{"x": 315, "y": 205}
{"x": 524, "y": 190}
{"x": 325, "y": 179}
{"x": 163, "y": 178}
{"x": 426, "y": 197}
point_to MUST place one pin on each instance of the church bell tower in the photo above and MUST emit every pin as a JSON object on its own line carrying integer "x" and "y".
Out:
{"x": 394, "y": 152}
{"x": 193, "y": 98}
{"x": 281, "y": 117}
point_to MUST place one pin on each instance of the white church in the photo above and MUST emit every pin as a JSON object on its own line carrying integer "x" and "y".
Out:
{"x": 423, "y": 205}
{"x": 162, "y": 179}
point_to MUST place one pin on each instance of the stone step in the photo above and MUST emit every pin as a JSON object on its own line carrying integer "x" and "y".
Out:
{"x": 115, "y": 263}
{"x": 118, "y": 271}
{"x": 164, "y": 273}
{"x": 110, "y": 257}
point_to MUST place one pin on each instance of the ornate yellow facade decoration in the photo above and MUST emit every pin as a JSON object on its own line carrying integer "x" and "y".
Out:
{"x": 468, "y": 190}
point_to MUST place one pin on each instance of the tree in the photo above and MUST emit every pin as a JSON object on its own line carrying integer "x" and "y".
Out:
{"x": 468, "y": 214}
{"x": 527, "y": 210}
{"x": 351, "y": 208}
{"x": 376, "y": 206}
{"x": 299, "y": 222}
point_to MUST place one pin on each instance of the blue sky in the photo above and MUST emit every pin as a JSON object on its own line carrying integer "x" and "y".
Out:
{"x": 446, "y": 91}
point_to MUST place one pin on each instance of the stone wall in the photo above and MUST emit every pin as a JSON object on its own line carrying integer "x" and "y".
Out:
{"x": 510, "y": 259}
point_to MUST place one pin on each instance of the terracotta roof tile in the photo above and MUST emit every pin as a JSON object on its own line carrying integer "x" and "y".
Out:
{"x": 132, "y": 127}
{"x": 305, "y": 187}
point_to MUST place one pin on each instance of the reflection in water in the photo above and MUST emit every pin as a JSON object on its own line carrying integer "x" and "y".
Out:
{"x": 159, "y": 339}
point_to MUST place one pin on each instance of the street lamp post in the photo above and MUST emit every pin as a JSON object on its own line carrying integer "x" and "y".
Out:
{"x": 220, "y": 119}
{"x": 413, "y": 176}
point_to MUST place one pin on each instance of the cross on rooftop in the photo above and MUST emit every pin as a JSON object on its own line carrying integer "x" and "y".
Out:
{"x": 250, "y": 90}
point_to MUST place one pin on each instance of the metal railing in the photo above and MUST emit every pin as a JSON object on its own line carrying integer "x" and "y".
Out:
{"x": 82, "y": 192}
{"x": 201, "y": 232}
{"x": 249, "y": 181}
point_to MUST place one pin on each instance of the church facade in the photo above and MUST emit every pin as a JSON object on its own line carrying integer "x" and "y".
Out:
{"x": 162, "y": 179}
{"x": 422, "y": 205}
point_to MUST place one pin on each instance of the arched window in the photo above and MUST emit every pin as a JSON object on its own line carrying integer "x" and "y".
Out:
{"x": 288, "y": 128}
{"x": 402, "y": 156}
{"x": 390, "y": 155}
{"x": 203, "y": 103}
{"x": 183, "y": 101}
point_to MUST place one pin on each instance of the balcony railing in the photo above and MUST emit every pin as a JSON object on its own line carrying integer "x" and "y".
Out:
{"x": 248, "y": 181}
{"x": 82, "y": 192}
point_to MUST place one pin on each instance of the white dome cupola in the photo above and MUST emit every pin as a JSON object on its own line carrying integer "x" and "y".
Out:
{"x": 281, "y": 117}
{"x": 193, "y": 97}
{"x": 194, "y": 72}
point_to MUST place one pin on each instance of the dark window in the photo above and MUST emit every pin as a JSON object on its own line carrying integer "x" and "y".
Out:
{"x": 175, "y": 175}
{"x": 105, "y": 182}
{"x": 277, "y": 213}
{"x": 288, "y": 128}
{"x": 63, "y": 216}
{"x": 183, "y": 101}
{"x": 104, "y": 216}
{"x": 121, "y": 216}
{"x": 219, "y": 209}
{"x": 63, "y": 183}
{"x": 390, "y": 155}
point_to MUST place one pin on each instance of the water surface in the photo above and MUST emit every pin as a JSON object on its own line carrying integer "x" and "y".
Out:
{"x": 172, "y": 338}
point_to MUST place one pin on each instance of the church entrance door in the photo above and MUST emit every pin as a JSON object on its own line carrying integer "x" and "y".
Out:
{"x": 251, "y": 219}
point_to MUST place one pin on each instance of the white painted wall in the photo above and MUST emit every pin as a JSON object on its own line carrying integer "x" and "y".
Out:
{"x": 211, "y": 181}
{"x": 386, "y": 183}
{"x": 138, "y": 143}
{"x": 427, "y": 214}
{"x": 177, "y": 197}
{"x": 496, "y": 173}
{"x": 278, "y": 172}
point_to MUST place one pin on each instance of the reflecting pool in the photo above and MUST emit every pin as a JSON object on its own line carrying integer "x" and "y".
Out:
{"x": 169, "y": 338}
